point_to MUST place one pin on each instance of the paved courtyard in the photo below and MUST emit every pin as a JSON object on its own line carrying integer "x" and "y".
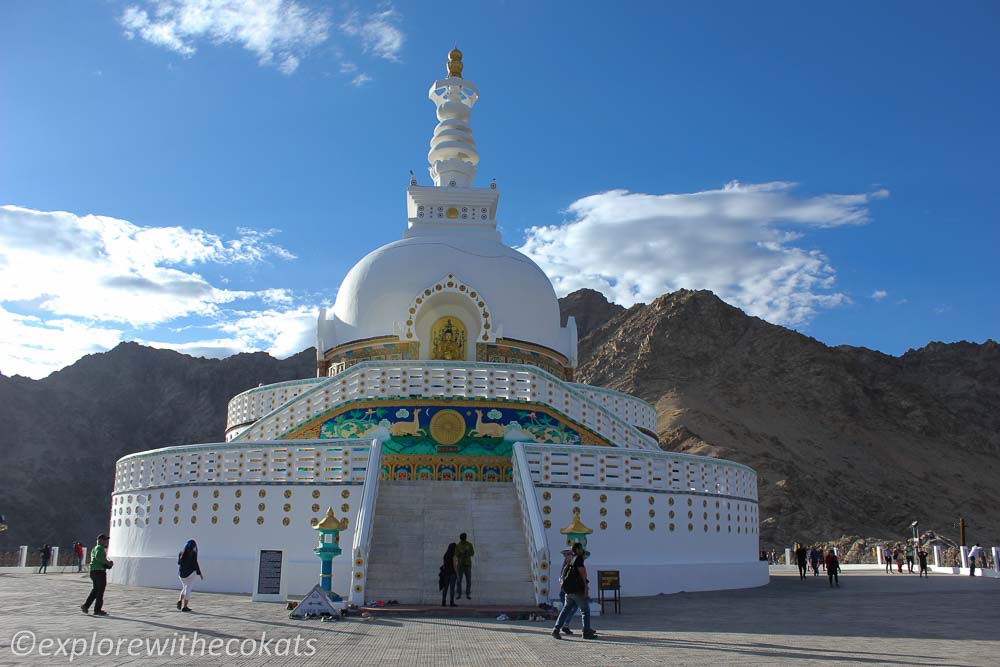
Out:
{"x": 872, "y": 619}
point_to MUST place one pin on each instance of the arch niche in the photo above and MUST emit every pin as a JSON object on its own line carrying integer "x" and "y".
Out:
{"x": 430, "y": 312}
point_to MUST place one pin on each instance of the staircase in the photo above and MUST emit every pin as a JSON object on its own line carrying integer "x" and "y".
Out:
{"x": 415, "y": 521}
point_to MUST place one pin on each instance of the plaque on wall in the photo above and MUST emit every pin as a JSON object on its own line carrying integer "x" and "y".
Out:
{"x": 268, "y": 583}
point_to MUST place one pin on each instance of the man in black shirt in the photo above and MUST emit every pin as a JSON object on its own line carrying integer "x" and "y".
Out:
{"x": 800, "y": 556}
{"x": 575, "y": 585}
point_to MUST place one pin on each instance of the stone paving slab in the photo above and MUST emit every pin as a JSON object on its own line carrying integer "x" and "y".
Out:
{"x": 873, "y": 619}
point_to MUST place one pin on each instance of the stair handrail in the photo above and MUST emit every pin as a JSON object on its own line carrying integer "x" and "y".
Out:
{"x": 532, "y": 521}
{"x": 363, "y": 531}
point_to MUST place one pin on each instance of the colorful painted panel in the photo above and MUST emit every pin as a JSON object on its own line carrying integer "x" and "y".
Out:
{"x": 509, "y": 354}
{"x": 338, "y": 361}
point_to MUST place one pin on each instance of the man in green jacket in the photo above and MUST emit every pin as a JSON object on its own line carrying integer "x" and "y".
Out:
{"x": 99, "y": 565}
{"x": 463, "y": 554}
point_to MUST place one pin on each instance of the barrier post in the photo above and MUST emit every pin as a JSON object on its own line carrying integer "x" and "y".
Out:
{"x": 937, "y": 555}
{"x": 880, "y": 550}
{"x": 965, "y": 557}
{"x": 996, "y": 560}
{"x": 54, "y": 557}
{"x": 22, "y": 556}
{"x": 788, "y": 556}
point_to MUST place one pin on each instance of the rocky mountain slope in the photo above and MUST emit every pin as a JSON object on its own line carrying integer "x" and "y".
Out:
{"x": 845, "y": 440}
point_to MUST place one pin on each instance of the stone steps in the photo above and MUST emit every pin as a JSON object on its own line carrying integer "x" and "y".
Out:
{"x": 415, "y": 521}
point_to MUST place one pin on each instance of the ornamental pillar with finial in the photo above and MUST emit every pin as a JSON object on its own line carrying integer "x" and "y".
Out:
{"x": 453, "y": 156}
{"x": 576, "y": 531}
{"x": 328, "y": 548}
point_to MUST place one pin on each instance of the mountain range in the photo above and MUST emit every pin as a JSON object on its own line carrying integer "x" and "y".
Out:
{"x": 845, "y": 440}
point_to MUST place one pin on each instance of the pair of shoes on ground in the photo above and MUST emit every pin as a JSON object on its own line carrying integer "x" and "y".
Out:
{"x": 182, "y": 607}
{"x": 452, "y": 604}
{"x": 556, "y": 634}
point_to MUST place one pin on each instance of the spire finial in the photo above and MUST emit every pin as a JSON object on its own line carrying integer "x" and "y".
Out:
{"x": 455, "y": 63}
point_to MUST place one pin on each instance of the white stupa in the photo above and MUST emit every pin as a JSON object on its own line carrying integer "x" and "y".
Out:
{"x": 444, "y": 402}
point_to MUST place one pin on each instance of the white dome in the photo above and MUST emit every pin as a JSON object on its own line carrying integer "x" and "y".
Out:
{"x": 377, "y": 294}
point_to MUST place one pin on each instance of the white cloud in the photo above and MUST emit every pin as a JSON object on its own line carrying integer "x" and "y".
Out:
{"x": 34, "y": 347}
{"x": 879, "y": 294}
{"x": 279, "y": 332}
{"x": 738, "y": 241}
{"x": 360, "y": 80}
{"x": 105, "y": 269}
{"x": 278, "y": 32}
{"x": 379, "y": 32}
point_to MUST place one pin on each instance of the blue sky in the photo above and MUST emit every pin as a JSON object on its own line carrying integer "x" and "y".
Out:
{"x": 201, "y": 175}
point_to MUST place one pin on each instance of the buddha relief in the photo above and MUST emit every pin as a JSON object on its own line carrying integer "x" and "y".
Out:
{"x": 448, "y": 339}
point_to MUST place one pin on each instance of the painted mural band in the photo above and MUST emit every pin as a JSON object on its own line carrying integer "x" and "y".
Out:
{"x": 447, "y": 439}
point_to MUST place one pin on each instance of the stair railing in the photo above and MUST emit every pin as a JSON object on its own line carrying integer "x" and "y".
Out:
{"x": 534, "y": 530}
{"x": 363, "y": 531}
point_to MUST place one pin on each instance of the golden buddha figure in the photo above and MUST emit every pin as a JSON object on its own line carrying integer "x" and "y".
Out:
{"x": 448, "y": 339}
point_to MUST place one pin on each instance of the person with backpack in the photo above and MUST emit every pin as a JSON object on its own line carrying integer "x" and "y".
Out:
{"x": 573, "y": 582}
{"x": 99, "y": 566}
{"x": 832, "y": 568}
{"x": 187, "y": 567}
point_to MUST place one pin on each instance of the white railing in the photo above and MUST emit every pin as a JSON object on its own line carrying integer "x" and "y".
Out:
{"x": 534, "y": 531}
{"x": 629, "y": 408}
{"x": 249, "y": 406}
{"x": 363, "y": 532}
{"x": 259, "y": 462}
{"x": 375, "y": 380}
{"x": 617, "y": 469}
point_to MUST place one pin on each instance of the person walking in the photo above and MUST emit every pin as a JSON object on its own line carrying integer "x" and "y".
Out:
{"x": 974, "y": 553}
{"x": 800, "y": 557}
{"x": 447, "y": 575}
{"x": 45, "y": 553}
{"x": 463, "y": 554}
{"x": 573, "y": 582}
{"x": 898, "y": 554}
{"x": 909, "y": 558}
{"x": 832, "y": 568}
{"x": 887, "y": 557}
{"x": 814, "y": 561}
{"x": 187, "y": 567}
{"x": 99, "y": 565}
{"x": 922, "y": 556}
{"x": 78, "y": 552}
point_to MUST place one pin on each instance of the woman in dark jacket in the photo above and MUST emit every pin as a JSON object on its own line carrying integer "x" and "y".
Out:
{"x": 448, "y": 575}
{"x": 187, "y": 567}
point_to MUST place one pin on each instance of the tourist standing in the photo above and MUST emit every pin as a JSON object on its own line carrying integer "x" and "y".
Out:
{"x": 575, "y": 585}
{"x": 832, "y": 568}
{"x": 800, "y": 557}
{"x": 45, "y": 554}
{"x": 974, "y": 553}
{"x": 887, "y": 557}
{"x": 922, "y": 555}
{"x": 909, "y": 558}
{"x": 447, "y": 575}
{"x": 99, "y": 565}
{"x": 78, "y": 552}
{"x": 463, "y": 554}
{"x": 187, "y": 567}
{"x": 898, "y": 553}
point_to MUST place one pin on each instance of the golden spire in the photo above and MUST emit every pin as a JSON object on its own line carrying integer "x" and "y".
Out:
{"x": 576, "y": 526}
{"x": 455, "y": 63}
{"x": 330, "y": 522}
